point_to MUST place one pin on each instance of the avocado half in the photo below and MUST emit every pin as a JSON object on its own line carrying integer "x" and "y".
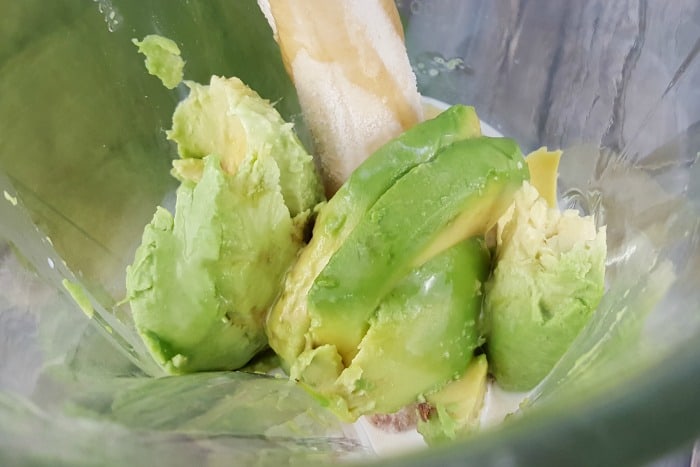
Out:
{"x": 395, "y": 269}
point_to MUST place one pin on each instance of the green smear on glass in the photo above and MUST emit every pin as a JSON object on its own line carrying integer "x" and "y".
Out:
{"x": 80, "y": 296}
{"x": 162, "y": 59}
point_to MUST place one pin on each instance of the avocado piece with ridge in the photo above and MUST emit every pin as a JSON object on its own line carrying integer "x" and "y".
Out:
{"x": 423, "y": 333}
{"x": 458, "y": 194}
{"x": 362, "y": 285}
{"x": 288, "y": 320}
{"x": 548, "y": 279}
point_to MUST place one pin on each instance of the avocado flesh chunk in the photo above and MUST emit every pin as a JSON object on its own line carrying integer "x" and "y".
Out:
{"x": 288, "y": 321}
{"x": 544, "y": 169}
{"x": 203, "y": 279}
{"x": 230, "y": 120}
{"x": 422, "y": 334}
{"x": 546, "y": 284}
{"x": 458, "y": 194}
{"x": 200, "y": 283}
{"x": 162, "y": 59}
{"x": 388, "y": 164}
{"x": 454, "y": 410}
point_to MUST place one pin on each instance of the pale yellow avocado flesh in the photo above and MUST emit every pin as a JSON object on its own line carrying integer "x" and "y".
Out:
{"x": 544, "y": 169}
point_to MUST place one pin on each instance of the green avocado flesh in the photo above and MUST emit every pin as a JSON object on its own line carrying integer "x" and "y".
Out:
{"x": 352, "y": 322}
{"x": 458, "y": 194}
{"x": 203, "y": 279}
{"x": 453, "y": 411}
{"x": 396, "y": 288}
{"x": 421, "y": 334}
{"x": 162, "y": 59}
{"x": 392, "y": 161}
{"x": 229, "y": 119}
{"x": 548, "y": 280}
{"x": 288, "y": 321}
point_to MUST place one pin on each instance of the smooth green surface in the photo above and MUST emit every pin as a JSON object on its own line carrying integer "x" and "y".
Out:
{"x": 389, "y": 163}
{"x": 467, "y": 185}
{"x": 288, "y": 322}
{"x": 421, "y": 336}
{"x": 348, "y": 377}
